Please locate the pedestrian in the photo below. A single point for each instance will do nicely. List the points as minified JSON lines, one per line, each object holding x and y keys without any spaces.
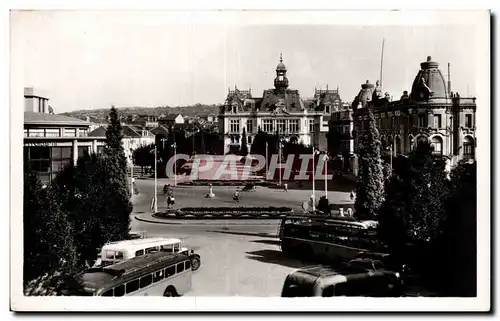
{"x":341,"y":212}
{"x":285,"y":187}
{"x":349,"y":212}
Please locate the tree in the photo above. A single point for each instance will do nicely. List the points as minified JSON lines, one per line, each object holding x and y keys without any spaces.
{"x":142,"y":156}
{"x":48,"y":241}
{"x":324,"y":205}
{"x":370,"y":182}
{"x":244,"y":146}
{"x":412,"y":215}
{"x":259,"y":143}
{"x":458,"y":246}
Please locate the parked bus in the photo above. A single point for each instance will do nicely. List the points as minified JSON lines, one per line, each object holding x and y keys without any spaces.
{"x":155,"y":274}
{"x":123,"y":250}
{"x":327,"y":282}
{"x":329,"y":239}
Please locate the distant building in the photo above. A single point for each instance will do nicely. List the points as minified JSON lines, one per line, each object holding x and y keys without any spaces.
{"x":430,"y":112}
{"x":52,"y":141}
{"x":133,"y":138}
{"x":279,"y":110}
{"x":147,"y":121}
{"x":170,"y":120}
{"x":340,"y":136}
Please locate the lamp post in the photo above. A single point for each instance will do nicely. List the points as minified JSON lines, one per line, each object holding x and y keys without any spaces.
{"x":131,"y":173}
{"x":156,"y":191}
{"x":326,"y":175}
{"x":174,"y":145}
{"x":267,"y":164}
{"x":313,"y":196}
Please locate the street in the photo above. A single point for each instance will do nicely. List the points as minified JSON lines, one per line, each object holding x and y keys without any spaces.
{"x":239,"y":258}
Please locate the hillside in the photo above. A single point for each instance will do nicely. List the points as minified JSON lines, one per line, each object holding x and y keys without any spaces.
{"x":198,"y":109}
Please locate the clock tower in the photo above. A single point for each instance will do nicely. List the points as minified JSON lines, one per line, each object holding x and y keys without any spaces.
{"x":281,"y":82}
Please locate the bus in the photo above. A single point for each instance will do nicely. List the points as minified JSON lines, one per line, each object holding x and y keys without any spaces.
{"x":123,"y":250}
{"x":329,"y":239}
{"x":324,"y":281}
{"x":155,"y":274}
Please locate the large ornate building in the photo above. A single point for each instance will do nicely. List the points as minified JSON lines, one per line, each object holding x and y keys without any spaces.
{"x":430,"y":112}
{"x":280,"y":110}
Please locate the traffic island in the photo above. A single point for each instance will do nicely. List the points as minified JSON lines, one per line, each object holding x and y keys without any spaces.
{"x":225,"y":213}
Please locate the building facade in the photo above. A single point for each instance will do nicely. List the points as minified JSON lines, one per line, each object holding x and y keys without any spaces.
{"x":430,"y":112}
{"x":340,"y":137}
{"x":280,"y":110}
{"x":52,"y":141}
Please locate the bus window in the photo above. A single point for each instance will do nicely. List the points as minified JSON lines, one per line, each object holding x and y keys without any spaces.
{"x":145,"y":281}
{"x":108,"y":293}
{"x":119,"y":255}
{"x":132,"y":286}
{"x":188,"y":265}
{"x":170,"y":271}
{"x":139,"y":253}
{"x":151,"y":249}
{"x":158,"y":276}
{"x":110,"y":255}
{"x":120,"y":290}
{"x":166,"y":248}
{"x":180,"y":267}
{"x":177,"y":247}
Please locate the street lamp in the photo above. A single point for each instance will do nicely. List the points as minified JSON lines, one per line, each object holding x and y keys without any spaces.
{"x":131,"y":172}
{"x":155,"y":203}
{"x":267,"y":157}
{"x":174,"y":145}
{"x":326,"y":175}
{"x":313,"y":196}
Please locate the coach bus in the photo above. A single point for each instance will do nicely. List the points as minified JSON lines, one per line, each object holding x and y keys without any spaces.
{"x":155,"y":274}
{"x":329,"y":239}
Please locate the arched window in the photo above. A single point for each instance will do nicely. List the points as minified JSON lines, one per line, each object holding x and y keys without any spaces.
{"x":437,"y":144}
{"x":468,"y":146}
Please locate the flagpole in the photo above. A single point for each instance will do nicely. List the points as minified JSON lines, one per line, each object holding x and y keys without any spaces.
{"x":156,"y":192}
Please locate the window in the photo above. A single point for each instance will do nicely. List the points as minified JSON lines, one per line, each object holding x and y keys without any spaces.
{"x":293,"y":126}
{"x":139,"y":253}
{"x":421,"y":121}
{"x":110,"y":255}
{"x":83,"y":150}
{"x":468,"y":146}
{"x":119,"y":255}
{"x":327,"y":109}
{"x":437,"y":144}
{"x":25,"y":133}
{"x":188,"y":265}
{"x":177,"y":247}
{"x":52,"y":132}
{"x":61,"y":156}
{"x":158,"y":276}
{"x":70,"y":132}
{"x":311,"y":125}
{"x":468,"y":120}
{"x":170,"y":271}
{"x":82,"y":132}
{"x":267,"y":125}
{"x":108,"y":293}
{"x":249,"y":139}
{"x":234,"y":125}
{"x":120,"y":290}
{"x":151,"y":249}
{"x":249,"y":126}
{"x":280,"y":125}
{"x":180,"y":267}
{"x":132,"y":286}
{"x":145,"y":281}
{"x":437,"y":121}
{"x":36,"y":132}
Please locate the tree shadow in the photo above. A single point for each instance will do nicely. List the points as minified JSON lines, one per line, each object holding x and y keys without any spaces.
{"x":277,"y":257}
{"x":270,"y":235}
{"x":271,"y":242}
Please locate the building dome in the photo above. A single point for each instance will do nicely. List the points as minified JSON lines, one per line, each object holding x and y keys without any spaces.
{"x":429,"y":82}
{"x":364,"y":96}
{"x":281,"y":66}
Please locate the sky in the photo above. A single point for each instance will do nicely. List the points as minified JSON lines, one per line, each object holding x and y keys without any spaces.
{"x":90,"y":60}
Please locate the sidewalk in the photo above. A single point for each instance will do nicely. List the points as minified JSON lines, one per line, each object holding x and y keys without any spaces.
{"x":149,"y":218}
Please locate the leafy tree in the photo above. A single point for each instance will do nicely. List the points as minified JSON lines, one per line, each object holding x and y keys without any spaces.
{"x":370,"y":181}
{"x":142,"y":156}
{"x":244,"y":146}
{"x":412,"y":215}
{"x":259,"y":143}
{"x":324,"y":205}
{"x":457,"y":251}
{"x":48,"y":236}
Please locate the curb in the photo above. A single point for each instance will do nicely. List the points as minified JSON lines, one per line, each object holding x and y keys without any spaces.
{"x":200,"y":222}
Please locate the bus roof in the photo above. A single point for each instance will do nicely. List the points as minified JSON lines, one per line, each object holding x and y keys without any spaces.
{"x":103,"y":277}
{"x":334,"y":220}
{"x":138,"y":244}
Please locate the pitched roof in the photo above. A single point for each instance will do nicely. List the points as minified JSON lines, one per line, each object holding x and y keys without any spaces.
{"x":171,"y":116}
{"x":160,"y":130}
{"x":42,"y":118}
{"x":98,"y":132}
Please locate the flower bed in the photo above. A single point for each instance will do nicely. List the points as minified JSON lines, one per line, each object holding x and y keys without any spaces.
{"x":256,"y":182}
{"x":226,"y":212}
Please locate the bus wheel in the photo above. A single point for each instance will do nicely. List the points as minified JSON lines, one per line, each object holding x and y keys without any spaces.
{"x":170,"y":291}
{"x":195,"y":263}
